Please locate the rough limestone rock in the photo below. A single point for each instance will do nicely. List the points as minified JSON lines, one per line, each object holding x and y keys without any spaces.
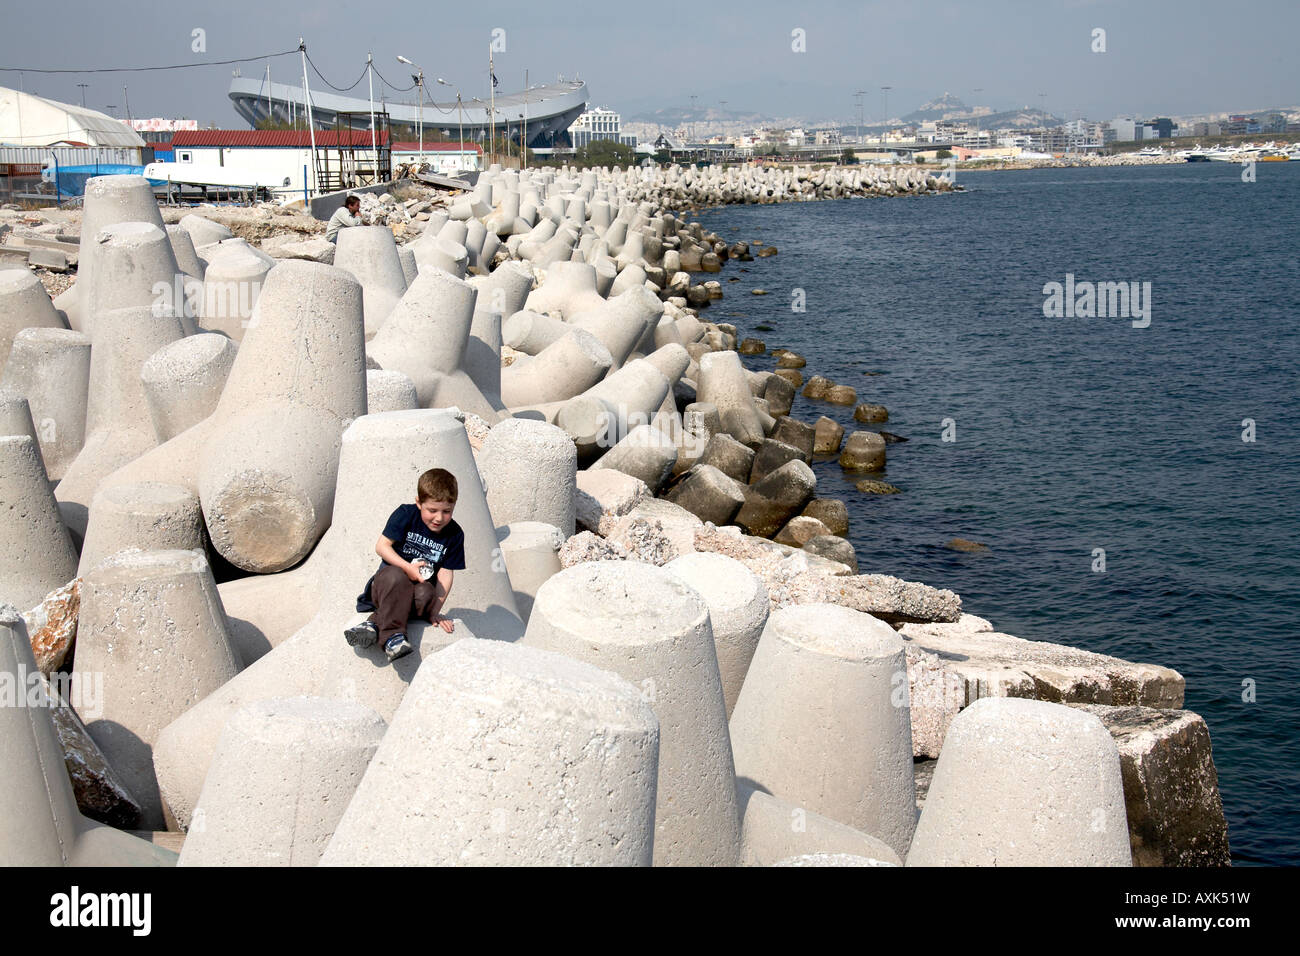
{"x":1000,"y":665}
{"x":1024,"y":783}
{"x":606,"y":493}
{"x":52,"y":626}
{"x":894,"y":600}
{"x":1171,"y":789}
{"x":101,"y":794}
{"x":588,"y":546}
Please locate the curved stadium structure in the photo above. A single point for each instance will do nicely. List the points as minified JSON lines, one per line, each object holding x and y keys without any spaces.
{"x":546,"y":110}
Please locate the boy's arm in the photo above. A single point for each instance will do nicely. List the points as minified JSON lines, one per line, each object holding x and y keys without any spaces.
{"x":442,"y":590}
{"x":384,"y":548}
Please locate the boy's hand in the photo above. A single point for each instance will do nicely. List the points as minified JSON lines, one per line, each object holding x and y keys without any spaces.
{"x":446,"y":623}
{"x":413,"y":570}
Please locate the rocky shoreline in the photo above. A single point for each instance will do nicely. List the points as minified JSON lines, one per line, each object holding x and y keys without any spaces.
{"x":673,"y":586}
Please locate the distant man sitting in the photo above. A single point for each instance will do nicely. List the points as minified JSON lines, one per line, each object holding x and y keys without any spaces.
{"x":345,"y":215}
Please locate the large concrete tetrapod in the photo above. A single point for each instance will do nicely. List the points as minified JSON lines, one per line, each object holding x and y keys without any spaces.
{"x":184,"y":379}
{"x":621,"y":322}
{"x":232,"y":283}
{"x":39,"y":821}
{"x":37,"y":553}
{"x":648,"y":626}
{"x":282,"y":776}
{"x":426,"y":337}
{"x":818,"y":721}
{"x":152,"y":624}
{"x":509,"y":756}
{"x":565,"y":368}
{"x":51,"y":368}
{"x":370,"y":254}
{"x":381,"y":460}
{"x":24,"y":304}
{"x":119,"y":428}
{"x":149,"y":516}
{"x":266,"y":458}
{"x":1024,"y":783}
{"x":531,"y":470}
{"x":108,"y":200}
{"x":136,"y":267}
{"x":738,"y":609}
{"x":723,"y":383}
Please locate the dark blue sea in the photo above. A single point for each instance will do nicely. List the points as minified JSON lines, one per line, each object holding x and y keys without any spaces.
{"x":1074,"y":434}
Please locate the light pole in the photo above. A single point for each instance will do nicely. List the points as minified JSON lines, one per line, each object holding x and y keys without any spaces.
{"x":858,"y":94}
{"x":83,"y":94}
{"x":419,"y":84}
{"x":460,"y":113}
{"x":884,"y":97}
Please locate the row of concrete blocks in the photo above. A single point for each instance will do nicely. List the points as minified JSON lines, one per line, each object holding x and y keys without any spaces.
{"x":601,"y":738}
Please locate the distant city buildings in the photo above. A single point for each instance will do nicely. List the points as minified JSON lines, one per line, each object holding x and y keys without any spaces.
{"x":599,"y":124}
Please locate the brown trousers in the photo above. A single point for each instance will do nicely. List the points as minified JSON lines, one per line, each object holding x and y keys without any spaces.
{"x":397,"y":598}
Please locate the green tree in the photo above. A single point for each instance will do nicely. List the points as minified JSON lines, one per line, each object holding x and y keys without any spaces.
{"x":943,"y":154}
{"x":848,"y":157}
{"x":605,"y":152}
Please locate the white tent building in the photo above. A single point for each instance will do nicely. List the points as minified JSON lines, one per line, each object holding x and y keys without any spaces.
{"x":28,"y":120}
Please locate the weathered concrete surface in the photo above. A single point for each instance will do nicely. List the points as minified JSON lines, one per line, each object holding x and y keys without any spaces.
{"x":773,"y":829}
{"x":1171,"y":789}
{"x":1000,"y":665}
{"x":1024,"y":783}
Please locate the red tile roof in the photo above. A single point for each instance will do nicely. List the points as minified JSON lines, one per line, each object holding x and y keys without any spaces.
{"x":283,"y":138}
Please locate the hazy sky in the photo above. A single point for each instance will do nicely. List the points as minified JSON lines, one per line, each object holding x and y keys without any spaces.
{"x":1162,"y":56}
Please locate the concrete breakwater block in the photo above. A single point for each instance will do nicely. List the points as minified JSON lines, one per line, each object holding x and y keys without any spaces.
{"x":389,"y":391}
{"x":566,"y":367}
{"x":370,"y":254}
{"x":183,"y":381}
{"x":50,"y":367}
{"x":738,"y":610}
{"x":1024,"y":783}
{"x":781,"y":495}
{"x":153,"y":628}
{"x":426,"y":337}
{"x":24,"y":304}
{"x":1171,"y":789}
{"x":530,"y":550}
{"x":709,"y":494}
{"x":822,"y":677}
{"x":232,"y":283}
{"x":38,"y":552}
{"x":645,"y":453}
{"x":380,"y":462}
{"x":108,"y":200}
{"x":508,"y":755}
{"x":773,"y":830}
{"x":39,"y":821}
{"x":531,"y":471}
{"x":281,"y":778}
{"x":149,"y":515}
{"x":119,"y":428}
{"x":723,"y":383}
{"x":645,"y":624}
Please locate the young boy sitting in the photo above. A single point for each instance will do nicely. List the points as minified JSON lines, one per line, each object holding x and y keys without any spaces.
{"x":421,"y":547}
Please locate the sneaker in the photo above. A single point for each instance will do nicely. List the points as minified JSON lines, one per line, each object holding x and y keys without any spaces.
{"x":397,"y":646}
{"x":364,"y":634}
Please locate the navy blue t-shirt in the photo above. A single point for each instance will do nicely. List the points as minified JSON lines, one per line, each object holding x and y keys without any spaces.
{"x":414,"y":541}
